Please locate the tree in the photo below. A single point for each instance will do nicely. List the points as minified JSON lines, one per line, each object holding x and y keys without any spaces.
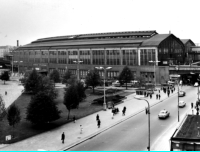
{"x":73,"y":80}
{"x":42,"y":109}
{"x":25,"y":77}
{"x":47,"y":86}
{"x":66,"y":76}
{"x":71,"y":98}
{"x":141,"y":81}
{"x":13,"y":115}
{"x":33,"y":82}
{"x":5,"y":76}
{"x":55,"y":76}
{"x":81,"y":91}
{"x":125,"y":76}
{"x":93,"y":79}
{"x":2,"y":107}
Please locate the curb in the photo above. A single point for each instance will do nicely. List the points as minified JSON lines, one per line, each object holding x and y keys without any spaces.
{"x":104,"y":129}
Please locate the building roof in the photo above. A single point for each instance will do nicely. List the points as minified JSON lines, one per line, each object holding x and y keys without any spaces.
{"x":155,"y":40}
{"x":133,"y":39}
{"x":129,"y":34}
{"x":185,"y":41}
{"x":189,"y":128}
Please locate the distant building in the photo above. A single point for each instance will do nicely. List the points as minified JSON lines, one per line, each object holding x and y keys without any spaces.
{"x":5,"y":50}
{"x":195,"y":53}
{"x":188,"y":45}
{"x":117,"y":49}
{"x":187,"y":136}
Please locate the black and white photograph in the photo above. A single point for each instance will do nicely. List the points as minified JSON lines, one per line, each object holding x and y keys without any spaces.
{"x":99,"y":75}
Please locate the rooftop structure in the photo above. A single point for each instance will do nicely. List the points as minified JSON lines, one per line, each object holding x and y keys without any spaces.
{"x":187,"y":136}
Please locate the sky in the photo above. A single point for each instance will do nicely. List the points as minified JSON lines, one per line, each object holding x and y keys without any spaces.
{"x":29,"y":20}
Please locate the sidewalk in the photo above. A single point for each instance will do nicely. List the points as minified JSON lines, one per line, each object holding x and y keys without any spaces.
{"x":13,"y":89}
{"x":51,"y":140}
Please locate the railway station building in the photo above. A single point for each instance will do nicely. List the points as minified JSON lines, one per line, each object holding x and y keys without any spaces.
{"x":82,"y":53}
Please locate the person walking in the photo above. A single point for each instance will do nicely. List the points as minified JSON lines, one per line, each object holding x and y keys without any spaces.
{"x":81,"y":129}
{"x":168,"y":92}
{"x":98,"y":123}
{"x":63,"y":137}
{"x":150,"y":95}
{"x":124,"y":111}
{"x":159,"y":96}
{"x":97,"y":117}
{"x":74,"y":119}
{"x":113,"y":113}
{"x":5,"y":92}
{"x":156,"y":96}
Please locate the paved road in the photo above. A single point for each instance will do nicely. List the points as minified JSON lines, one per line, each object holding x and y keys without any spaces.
{"x":132,"y":135}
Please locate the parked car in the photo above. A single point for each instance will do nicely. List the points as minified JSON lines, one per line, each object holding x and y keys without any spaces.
{"x":181,"y":93}
{"x":163,"y":114}
{"x":181,"y":104}
{"x":196,"y":84}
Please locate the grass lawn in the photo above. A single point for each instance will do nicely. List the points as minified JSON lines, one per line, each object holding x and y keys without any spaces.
{"x":25,"y":129}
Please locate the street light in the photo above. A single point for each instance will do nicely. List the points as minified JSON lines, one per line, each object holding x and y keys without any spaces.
{"x":177,"y":68}
{"x":154,"y":70}
{"x":77,"y":62}
{"x":178,"y":101}
{"x":148,"y":112}
{"x":100,"y":68}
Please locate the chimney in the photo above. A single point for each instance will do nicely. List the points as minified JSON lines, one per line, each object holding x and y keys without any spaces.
{"x":17,"y":43}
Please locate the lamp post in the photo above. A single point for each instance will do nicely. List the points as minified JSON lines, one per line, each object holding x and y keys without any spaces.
{"x":104,"y":92}
{"x":148,"y":112}
{"x":177,"y":68}
{"x":178,"y":101}
{"x":154,"y":70}
{"x":77,"y":62}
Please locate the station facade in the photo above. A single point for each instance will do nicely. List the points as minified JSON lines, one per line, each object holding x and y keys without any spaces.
{"x":82,"y":53}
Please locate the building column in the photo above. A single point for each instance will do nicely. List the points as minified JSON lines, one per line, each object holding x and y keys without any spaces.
{"x":138,"y":50}
{"x":91,"y":57}
{"x":121,"y":56}
{"x":105,"y":57}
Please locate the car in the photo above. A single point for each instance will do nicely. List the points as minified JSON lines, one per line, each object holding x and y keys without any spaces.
{"x":163,"y":114}
{"x":196,"y":84}
{"x":116,"y":84}
{"x":181,"y":93}
{"x":171,"y":82}
{"x":181,"y":103}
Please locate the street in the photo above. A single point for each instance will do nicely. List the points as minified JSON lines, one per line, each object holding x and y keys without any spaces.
{"x":132,"y":135}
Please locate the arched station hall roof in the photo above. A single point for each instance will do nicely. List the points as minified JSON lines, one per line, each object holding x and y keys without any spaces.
{"x":134,"y":38}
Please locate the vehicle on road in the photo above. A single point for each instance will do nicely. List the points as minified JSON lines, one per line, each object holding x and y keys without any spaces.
{"x":130,"y":84}
{"x":196,"y":84}
{"x":163,"y":114}
{"x":181,"y":104}
{"x":181,"y":93}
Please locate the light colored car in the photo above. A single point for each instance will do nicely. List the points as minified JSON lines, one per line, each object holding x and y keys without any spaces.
{"x":171,"y":82}
{"x":196,"y":84}
{"x":163,"y":114}
{"x":181,"y":93}
{"x":116,"y":84}
{"x":181,"y":103}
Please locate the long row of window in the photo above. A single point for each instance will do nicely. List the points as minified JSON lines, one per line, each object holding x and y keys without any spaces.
{"x":98,"y":57}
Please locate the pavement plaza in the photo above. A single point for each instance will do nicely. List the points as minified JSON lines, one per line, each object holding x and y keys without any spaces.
{"x":51,"y":140}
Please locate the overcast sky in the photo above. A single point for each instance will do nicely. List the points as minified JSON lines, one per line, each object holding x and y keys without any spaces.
{"x":28,"y":20}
